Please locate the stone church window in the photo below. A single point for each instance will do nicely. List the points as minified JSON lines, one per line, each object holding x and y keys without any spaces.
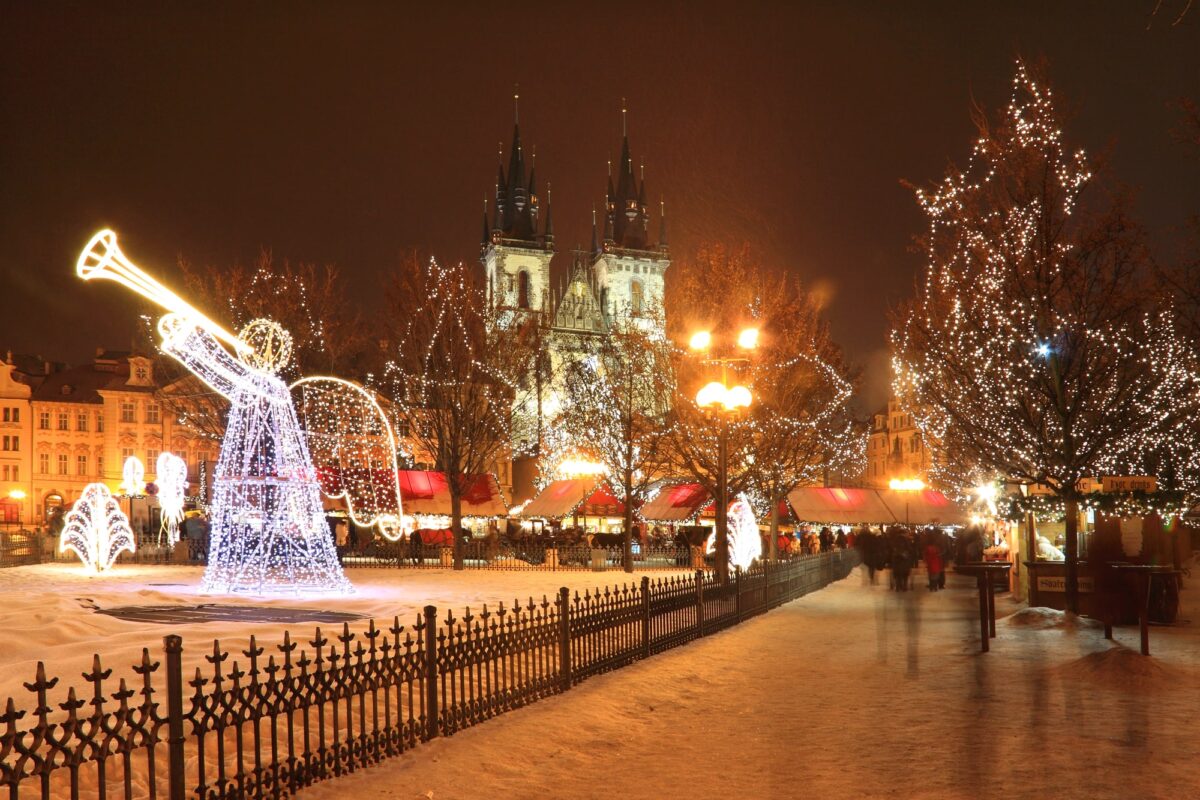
{"x":523,"y":289}
{"x":635,"y":297}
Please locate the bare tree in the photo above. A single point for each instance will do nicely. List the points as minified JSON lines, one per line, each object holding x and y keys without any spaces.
{"x":455,"y":379}
{"x":617,"y":404}
{"x":1032,"y":349}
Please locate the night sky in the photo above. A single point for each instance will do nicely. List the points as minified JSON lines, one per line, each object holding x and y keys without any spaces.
{"x":353,"y":132}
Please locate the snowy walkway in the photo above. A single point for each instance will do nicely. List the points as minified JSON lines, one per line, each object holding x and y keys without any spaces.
{"x":851,"y":692}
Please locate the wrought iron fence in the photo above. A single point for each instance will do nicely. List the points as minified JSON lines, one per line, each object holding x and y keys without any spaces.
{"x":268,"y":724}
{"x":513,"y":555}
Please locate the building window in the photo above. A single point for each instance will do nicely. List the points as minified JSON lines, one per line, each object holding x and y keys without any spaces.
{"x":81,"y":420}
{"x":7,"y":441}
{"x":152,"y":413}
{"x":44,"y":463}
{"x":523,"y":289}
{"x":99,"y":423}
{"x":43,"y":420}
{"x":16,"y":443}
{"x":16,"y":473}
{"x":7,"y":414}
{"x":151,"y":459}
{"x":635,"y":297}
{"x":126,"y":454}
{"x":62,"y":421}
{"x":6,"y":473}
{"x":128,"y":412}
{"x":16,"y":415}
{"x":100,"y":466}
{"x":62,"y":463}
{"x":81,"y":465}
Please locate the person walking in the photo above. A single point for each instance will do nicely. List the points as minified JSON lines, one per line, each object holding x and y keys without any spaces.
{"x":934,"y":565}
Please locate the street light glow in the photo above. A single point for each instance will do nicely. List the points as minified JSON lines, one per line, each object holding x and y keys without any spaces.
{"x":906,"y":484}
{"x":712,"y":394}
{"x":736,"y":397}
{"x":748,"y":339}
{"x":701,"y":340}
{"x":17,"y":494}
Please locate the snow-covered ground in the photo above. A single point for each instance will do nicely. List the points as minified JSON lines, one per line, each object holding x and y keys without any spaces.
{"x":851,"y":692}
{"x":47,"y":612}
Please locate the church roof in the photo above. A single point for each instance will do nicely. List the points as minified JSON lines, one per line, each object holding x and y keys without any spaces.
{"x":627,"y":215}
{"x":517,"y":212}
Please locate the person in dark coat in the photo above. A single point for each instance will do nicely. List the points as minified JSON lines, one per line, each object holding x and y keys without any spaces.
{"x":826,"y":540}
{"x":840,"y":540}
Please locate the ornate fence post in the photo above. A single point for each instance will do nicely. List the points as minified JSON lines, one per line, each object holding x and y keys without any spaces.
{"x":173,"y":645}
{"x":564,"y":638}
{"x":431,"y":673}
{"x":737,"y":591}
{"x":645,"y":616}
{"x":699,"y":602}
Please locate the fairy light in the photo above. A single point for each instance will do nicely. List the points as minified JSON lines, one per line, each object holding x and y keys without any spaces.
{"x":96,"y":529}
{"x":268,"y":529}
{"x":1019,"y":354}
{"x":171,"y":474}
{"x":352,"y":442}
{"x":745,"y":542}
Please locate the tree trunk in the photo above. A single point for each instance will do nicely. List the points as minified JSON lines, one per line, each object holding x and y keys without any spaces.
{"x":1072,"y":553}
{"x":627,"y":554}
{"x":773,"y":536}
{"x":456,"y":521}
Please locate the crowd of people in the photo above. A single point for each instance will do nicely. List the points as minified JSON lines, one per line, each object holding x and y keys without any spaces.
{"x":900,"y":549}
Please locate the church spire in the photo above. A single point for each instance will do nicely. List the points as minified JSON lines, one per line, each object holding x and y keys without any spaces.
{"x":487,"y":234}
{"x":548,"y":233}
{"x":595,"y":234}
{"x":662,"y":224}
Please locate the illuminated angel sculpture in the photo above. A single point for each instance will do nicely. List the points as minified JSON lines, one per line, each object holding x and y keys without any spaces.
{"x":171,"y":473}
{"x":268,"y":528}
{"x":96,"y":529}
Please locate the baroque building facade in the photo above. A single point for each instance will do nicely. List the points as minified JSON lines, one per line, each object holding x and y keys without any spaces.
{"x":72,"y":426}
{"x":895,"y":448}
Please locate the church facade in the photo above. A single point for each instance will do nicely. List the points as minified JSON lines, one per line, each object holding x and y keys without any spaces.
{"x":622,"y":273}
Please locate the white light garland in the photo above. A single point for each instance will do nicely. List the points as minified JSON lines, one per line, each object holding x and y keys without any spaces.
{"x":96,"y":529}
{"x":133,"y":477}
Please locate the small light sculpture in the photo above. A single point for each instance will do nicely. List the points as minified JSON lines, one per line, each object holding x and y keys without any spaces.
{"x":96,"y":529}
{"x":171,"y":471}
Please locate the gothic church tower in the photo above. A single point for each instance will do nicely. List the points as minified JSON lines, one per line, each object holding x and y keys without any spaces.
{"x":517,"y":246}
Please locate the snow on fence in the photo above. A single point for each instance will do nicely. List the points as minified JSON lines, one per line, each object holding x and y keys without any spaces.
{"x":273,"y":723}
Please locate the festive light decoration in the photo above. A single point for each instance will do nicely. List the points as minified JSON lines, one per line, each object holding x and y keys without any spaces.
{"x":745,"y":542}
{"x":906,"y":484}
{"x":133,"y":477}
{"x":268,"y":529}
{"x":348,"y":431}
{"x":1034,"y":350}
{"x":96,"y":529}
{"x":171,"y":472}
{"x":102,"y":258}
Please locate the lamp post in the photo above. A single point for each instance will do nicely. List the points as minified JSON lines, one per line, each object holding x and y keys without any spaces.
{"x":723,"y":402}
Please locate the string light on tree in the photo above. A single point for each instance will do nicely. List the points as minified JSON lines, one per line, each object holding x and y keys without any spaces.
{"x":1032,"y":350}
{"x":96,"y":529}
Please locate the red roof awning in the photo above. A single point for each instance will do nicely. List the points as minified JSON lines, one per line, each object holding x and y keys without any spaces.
{"x":926,"y":507}
{"x":821,"y":504}
{"x":425,"y":492}
{"x":585,"y":497}
{"x":675,"y":503}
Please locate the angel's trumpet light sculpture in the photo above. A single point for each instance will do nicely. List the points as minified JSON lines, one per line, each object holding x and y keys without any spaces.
{"x":96,"y":529}
{"x":171,"y":474}
{"x":268,"y":532}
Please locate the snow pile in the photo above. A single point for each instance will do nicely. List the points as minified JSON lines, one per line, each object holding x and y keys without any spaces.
{"x":1040,"y":618}
{"x":1120,"y":667}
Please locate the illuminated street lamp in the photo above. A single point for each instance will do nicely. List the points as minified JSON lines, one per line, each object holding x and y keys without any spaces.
{"x":906,"y":485}
{"x":721,"y":401}
{"x":18,"y":496}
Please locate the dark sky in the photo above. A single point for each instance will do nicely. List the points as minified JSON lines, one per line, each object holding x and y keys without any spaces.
{"x":352,"y":132}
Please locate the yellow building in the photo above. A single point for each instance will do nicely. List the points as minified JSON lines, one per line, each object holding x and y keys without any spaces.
{"x":895,"y":448}
{"x":68,"y":427}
